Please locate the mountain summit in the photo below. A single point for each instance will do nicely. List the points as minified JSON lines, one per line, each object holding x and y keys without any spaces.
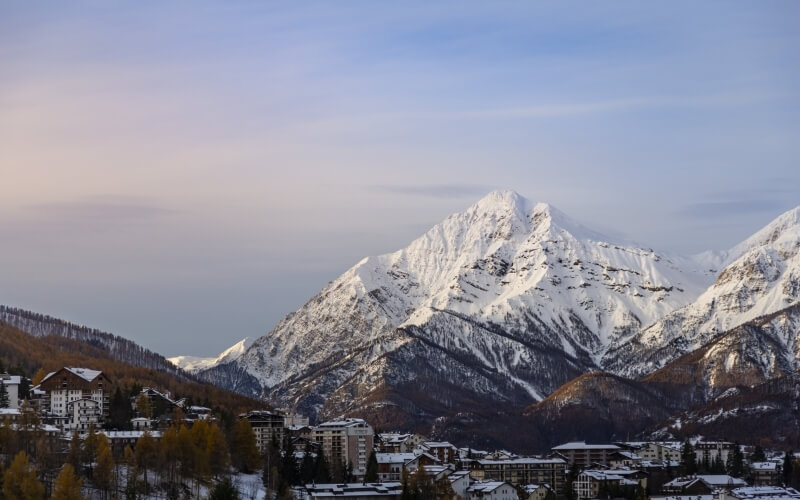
{"x":500,"y":303}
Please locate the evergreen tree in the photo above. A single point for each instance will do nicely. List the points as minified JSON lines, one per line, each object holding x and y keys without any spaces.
{"x":120,"y":412}
{"x":103,"y":474}
{"x":569,"y":486}
{"x":735,"y":463}
{"x":19,"y":480}
{"x":688,"y":460}
{"x":224,"y":490}
{"x":4,"y":403}
{"x":307,"y":466}
{"x":348,"y":473}
{"x":288,"y":465}
{"x":371,"y":475}
{"x":74,"y":454}
{"x":758,"y":455}
{"x":68,"y":485}
{"x":322,"y":472}
{"x":788,"y":465}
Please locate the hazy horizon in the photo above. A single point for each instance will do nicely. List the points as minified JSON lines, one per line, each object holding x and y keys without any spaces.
{"x":185,"y":174}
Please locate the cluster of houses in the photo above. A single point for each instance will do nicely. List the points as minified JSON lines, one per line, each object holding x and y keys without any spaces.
{"x":606,"y":471}
{"x":73,"y":399}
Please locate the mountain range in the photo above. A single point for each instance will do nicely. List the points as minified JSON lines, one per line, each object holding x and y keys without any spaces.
{"x":506,"y":304}
{"x":511,"y":315}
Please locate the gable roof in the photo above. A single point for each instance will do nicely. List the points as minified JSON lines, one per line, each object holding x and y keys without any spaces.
{"x":86,"y":374}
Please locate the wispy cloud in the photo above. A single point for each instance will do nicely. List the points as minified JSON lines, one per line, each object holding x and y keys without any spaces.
{"x":733,"y":208}
{"x":434,"y":190}
{"x":106,"y":210}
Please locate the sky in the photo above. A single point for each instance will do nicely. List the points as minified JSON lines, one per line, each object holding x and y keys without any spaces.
{"x":186,"y":173}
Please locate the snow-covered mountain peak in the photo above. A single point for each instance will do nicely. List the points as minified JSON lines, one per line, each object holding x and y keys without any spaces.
{"x":502,"y":200}
{"x":782,"y":234}
{"x":758,"y":277}
{"x":504,"y":263}
{"x":197,"y":363}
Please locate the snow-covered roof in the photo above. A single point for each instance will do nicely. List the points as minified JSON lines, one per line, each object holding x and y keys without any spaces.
{"x":522,"y":461}
{"x":485,"y":486}
{"x":722,"y":480}
{"x":610,"y":475}
{"x":459,"y":474}
{"x":85,"y":373}
{"x":764,"y":466}
{"x":129,"y":434}
{"x":10,"y":411}
{"x":683,"y":497}
{"x":770,"y":492}
{"x":347,"y":422}
{"x":7,"y":379}
{"x":530,"y":488}
{"x":394,"y":458}
{"x":438,"y":444}
{"x":581,"y":445}
{"x":355,"y":490}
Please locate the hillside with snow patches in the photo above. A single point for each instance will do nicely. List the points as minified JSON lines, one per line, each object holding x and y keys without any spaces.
{"x":505,"y":302}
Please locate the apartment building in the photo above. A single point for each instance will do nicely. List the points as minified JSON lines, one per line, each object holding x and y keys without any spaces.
{"x":346,"y":441}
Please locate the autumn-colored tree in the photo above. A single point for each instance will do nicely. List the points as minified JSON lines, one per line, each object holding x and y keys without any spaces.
{"x":146,"y":453}
{"x":74,"y":454}
{"x":143,"y":407}
{"x":38,"y":376}
{"x":8,"y":438}
{"x":244,"y":451}
{"x":68,"y":485}
{"x":217,"y":451}
{"x":19,"y":480}
{"x":103,"y":474}
{"x":170,"y":456}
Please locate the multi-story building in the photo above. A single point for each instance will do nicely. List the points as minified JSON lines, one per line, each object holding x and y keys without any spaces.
{"x":765,"y":473}
{"x":266,"y":426}
{"x":395,"y":442}
{"x":346,"y":441}
{"x":444,"y":452}
{"x":522,"y":471}
{"x":11,"y":384}
{"x":76,"y":397}
{"x":710,"y":451}
{"x":655,"y":450}
{"x":583,"y":455}
{"x":589,"y":483}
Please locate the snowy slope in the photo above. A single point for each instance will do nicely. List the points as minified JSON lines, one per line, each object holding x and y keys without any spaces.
{"x":196,"y":363}
{"x":515,"y":293}
{"x":760,"y":276}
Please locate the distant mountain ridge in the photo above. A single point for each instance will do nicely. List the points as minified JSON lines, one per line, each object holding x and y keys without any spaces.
{"x":197,"y":363}
{"x":120,"y":349}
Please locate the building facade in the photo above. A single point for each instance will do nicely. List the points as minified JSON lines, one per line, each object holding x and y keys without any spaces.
{"x":76,"y":397}
{"x":11,"y":384}
{"x":266,"y":426}
{"x":346,"y":441}
{"x":583,"y":455}
{"x":522,"y":471}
